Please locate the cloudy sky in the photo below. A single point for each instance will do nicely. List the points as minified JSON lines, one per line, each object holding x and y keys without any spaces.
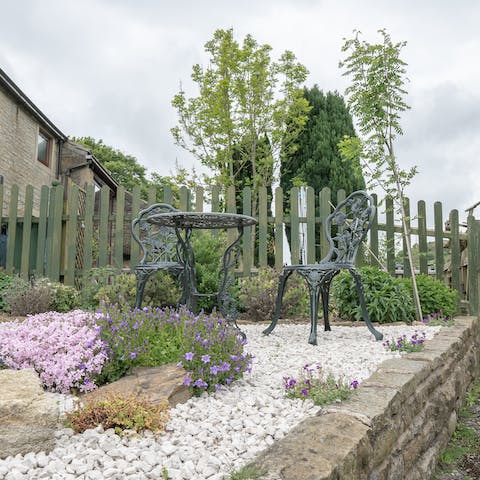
{"x":110,"y":68}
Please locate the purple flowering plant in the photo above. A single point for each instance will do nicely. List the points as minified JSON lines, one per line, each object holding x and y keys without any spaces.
{"x":141,"y":337}
{"x":214,"y":352}
{"x":207,"y":347}
{"x":63,"y":348}
{"x":438,"y":319}
{"x":81,"y":350}
{"x":313,"y":383}
{"x":403,"y":344}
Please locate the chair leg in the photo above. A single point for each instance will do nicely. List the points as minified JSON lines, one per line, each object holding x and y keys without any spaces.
{"x":278,"y":304}
{"x":325,"y":290}
{"x":366,"y":317}
{"x":314,"y":292}
{"x":142,"y":278}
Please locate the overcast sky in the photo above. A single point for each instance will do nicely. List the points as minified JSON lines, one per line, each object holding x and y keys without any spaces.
{"x":110,"y":68}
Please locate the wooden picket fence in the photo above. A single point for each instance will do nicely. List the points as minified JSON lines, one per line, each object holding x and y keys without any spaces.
{"x":70,"y":234}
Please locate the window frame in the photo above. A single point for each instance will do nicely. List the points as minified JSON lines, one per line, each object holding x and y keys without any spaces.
{"x":48,"y":151}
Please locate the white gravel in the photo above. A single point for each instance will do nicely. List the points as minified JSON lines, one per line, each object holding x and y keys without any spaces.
{"x":211,"y":436}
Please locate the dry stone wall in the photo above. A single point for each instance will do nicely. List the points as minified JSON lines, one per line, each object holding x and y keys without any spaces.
{"x":394,"y":426}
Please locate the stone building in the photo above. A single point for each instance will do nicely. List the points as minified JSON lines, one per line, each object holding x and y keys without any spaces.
{"x":30,"y":144}
{"x":33,"y":151}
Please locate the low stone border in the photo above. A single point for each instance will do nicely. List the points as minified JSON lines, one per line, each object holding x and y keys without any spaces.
{"x":394,"y":426}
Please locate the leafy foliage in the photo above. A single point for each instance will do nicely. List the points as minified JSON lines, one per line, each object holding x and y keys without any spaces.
{"x":317,"y":161}
{"x":435,"y":296}
{"x":377,"y":99}
{"x":248,"y":106}
{"x":109,"y":285}
{"x":387,"y":298}
{"x":5,"y":282}
{"x":208,"y":249}
{"x":258,"y":295}
{"x":65,"y":297}
{"x":120,"y":412}
{"x":205,"y":345}
{"x":126,"y":169}
{"x":28,"y":298}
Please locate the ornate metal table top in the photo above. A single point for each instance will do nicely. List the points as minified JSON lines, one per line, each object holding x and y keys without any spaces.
{"x":204,"y":220}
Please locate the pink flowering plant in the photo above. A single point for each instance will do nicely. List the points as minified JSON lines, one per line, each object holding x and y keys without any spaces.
{"x":64,"y":349}
{"x":315,"y":384}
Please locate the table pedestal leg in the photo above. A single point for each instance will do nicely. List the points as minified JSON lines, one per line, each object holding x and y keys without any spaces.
{"x":187,"y":277}
{"x":227,"y":304}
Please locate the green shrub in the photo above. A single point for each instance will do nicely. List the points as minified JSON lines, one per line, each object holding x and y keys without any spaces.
{"x":161,"y":290}
{"x":388,"y":299}
{"x":209,"y":249}
{"x":435,"y":296}
{"x":66,"y":297}
{"x":258,"y":295}
{"x":109,"y":285}
{"x":92,"y":282}
{"x":5,"y":282}
{"x":120,"y":412}
{"x":29,"y":298}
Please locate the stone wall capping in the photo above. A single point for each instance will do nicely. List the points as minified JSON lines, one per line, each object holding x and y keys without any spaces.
{"x":394,"y":425}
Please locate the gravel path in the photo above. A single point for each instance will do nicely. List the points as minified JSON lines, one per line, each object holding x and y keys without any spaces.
{"x":211,"y":436}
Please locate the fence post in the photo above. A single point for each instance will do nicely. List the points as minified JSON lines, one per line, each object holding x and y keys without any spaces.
{"x":374,"y":235}
{"x":119,"y":227}
{"x":422,"y":237}
{"x":406,"y":264}
{"x":71,"y":229}
{"x":262,"y":226}
{"x":278,"y":228}
{"x":455,"y":253}
{"x":473,"y":246}
{"x":248,"y":242}
{"x":12,"y":228}
{"x":390,"y":221}
{"x":27,"y":233}
{"x":439,"y":261}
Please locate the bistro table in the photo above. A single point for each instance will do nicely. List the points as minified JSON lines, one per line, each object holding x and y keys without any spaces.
{"x":184,"y":223}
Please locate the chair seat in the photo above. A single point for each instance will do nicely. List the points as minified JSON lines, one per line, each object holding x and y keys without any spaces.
{"x":159,"y":266}
{"x":320,"y":266}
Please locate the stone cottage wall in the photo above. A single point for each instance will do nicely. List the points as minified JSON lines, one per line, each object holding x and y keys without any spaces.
{"x":18,"y":150}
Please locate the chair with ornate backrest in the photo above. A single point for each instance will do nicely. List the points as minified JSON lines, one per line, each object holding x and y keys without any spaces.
{"x":352,"y":219}
{"x":159,"y":248}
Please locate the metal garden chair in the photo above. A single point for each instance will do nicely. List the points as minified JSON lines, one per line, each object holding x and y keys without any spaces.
{"x":352,"y":219}
{"x":159,"y":247}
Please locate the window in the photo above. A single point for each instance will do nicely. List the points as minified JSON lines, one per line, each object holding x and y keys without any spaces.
{"x":43,"y":149}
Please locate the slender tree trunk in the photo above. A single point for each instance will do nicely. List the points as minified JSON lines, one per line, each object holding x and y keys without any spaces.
{"x":406,"y":235}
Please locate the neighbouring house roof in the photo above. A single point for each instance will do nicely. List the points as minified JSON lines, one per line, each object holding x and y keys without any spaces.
{"x":94,"y":164}
{"x":472,"y":208}
{"x":12,"y":89}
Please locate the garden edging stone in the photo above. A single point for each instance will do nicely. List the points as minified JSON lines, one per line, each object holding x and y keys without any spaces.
{"x":153,"y":383}
{"x":394,"y":426}
{"x":30,"y":416}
